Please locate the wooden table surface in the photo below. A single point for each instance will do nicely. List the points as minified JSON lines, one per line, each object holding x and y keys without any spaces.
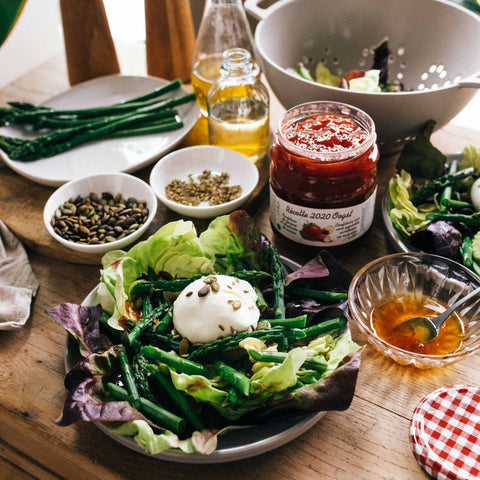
{"x":368,"y":441}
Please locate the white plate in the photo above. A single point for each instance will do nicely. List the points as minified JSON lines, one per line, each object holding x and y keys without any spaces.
{"x":105,"y":156}
{"x":235,"y":445}
{"x":399,"y":243}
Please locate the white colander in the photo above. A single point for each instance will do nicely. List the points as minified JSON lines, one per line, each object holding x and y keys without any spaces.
{"x":435,"y":49}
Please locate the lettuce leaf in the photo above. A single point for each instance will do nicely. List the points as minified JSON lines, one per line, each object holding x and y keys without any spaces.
{"x":142,"y":433}
{"x":370,"y":82}
{"x":405,"y":216}
{"x":325,"y":77}
{"x":235,"y":243}
{"x":470,"y":158}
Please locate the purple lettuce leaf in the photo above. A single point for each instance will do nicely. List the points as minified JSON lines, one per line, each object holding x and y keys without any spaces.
{"x":82,"y":323}
{"x":315,"y":268}
{"x":438,"y":237}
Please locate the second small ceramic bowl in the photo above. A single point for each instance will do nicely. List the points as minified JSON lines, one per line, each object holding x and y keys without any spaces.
{"x":191,"y":162}
{"x":417,"y":276}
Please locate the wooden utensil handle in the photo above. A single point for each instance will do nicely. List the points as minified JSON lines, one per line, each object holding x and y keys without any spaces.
{"x":89,"y":47}
{"x":170,"y":38}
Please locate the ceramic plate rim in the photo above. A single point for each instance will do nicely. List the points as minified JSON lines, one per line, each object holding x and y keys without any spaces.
{"x":301,"y":422}
{"x":91,"y":89}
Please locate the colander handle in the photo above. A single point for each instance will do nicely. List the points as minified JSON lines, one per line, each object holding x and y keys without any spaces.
{"x":470,"y":82}
{"x":251,"y":6}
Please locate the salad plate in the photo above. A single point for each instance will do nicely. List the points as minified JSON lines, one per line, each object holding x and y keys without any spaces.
{"x":235,"y":445}
{"x":113,"y":155}
{"x":398,"y":242}
{"x":220,"y":425}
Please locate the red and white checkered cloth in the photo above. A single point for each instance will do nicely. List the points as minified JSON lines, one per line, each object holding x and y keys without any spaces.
{"x":445,"y":433}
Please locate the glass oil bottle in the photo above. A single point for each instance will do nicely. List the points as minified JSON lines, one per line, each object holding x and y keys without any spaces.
{"x":224,"y":25}
{"x":238,"y":107}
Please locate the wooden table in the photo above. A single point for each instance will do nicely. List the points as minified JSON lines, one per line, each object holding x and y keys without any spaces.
{"x":368,"y":441}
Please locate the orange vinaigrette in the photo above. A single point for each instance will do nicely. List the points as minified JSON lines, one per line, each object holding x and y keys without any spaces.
{"x":386,"y":316}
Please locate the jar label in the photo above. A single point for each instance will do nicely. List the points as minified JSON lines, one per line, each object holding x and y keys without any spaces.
{"x":321,"y":227}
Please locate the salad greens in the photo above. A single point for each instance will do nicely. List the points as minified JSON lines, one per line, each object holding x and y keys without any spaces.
{"x":137,"y":374}
{"x":432,"y":203}
{"x":372,"y":80}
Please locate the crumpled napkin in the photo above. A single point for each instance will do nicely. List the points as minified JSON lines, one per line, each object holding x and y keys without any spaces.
{"x":18,"y":285}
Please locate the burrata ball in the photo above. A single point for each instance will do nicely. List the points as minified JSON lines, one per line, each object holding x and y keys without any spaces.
{"x":215,"y":306}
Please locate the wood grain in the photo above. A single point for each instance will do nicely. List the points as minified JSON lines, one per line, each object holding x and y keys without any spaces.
{"x":170,"y":38}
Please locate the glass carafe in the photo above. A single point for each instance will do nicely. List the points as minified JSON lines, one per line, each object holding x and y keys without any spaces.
{"x":238,"y":107}
{"x":224,"y":25}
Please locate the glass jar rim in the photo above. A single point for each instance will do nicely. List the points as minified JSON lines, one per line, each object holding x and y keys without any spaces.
{"x":311,"y":109}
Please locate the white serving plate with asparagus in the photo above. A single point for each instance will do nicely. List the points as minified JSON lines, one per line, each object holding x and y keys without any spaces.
{"x":122,"y":154}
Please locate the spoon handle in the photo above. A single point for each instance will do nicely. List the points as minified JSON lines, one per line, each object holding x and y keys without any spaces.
{"x":441,"y":318}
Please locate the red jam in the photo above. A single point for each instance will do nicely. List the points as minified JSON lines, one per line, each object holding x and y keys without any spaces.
{"x":323,"y":174}
{"x":325,"y":132}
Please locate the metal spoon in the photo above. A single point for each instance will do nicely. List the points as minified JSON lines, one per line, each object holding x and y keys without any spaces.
{"x":428,"y":328}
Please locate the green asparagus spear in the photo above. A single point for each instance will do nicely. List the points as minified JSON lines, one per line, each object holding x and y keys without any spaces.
{"x":278,"y":278}
{"x":466,"y":251}
{"x":178,"y":398}
{"x":157,"y":414}
{"x":128,"y":377}
{"x":174,"y":361}
{"x":321,"y":295}
{"x":447,"y":191}
{"x":295,"y":322}
{"x":472,"y":220}
{"x":326,"y":326}
{"x":237,"y":379}
{"x":437,"y":184}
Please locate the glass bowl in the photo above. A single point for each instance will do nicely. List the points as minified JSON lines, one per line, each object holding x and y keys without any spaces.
{"x":417,"y":275}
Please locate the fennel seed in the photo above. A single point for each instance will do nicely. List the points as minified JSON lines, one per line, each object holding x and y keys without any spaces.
{"x":208,"y":187}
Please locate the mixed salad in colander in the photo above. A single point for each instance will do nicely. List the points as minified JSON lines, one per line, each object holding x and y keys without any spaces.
{"x":373,"y":80}
{"x":194,"y":335}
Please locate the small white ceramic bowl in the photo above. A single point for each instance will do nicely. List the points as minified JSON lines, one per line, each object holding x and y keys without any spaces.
{"x":193,"y":161}
{"x":113,"y":183}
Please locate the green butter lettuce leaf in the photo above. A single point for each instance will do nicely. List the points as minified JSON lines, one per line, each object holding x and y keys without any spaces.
{"x":116,"y":281}
{"x":405,"y":216}
{"x":174,"y":248}
{"x":198,"y":387}
{"x":335,"y":349}
{"x":470,"y":158}
{"x":302,"y":71}
{"x":325,"y":77}
{"x":235,"y":243}
{"x":153,"y":443}
{"x":278,"y":377}
{"x":368,"y":83}
{"x":476,"y":247}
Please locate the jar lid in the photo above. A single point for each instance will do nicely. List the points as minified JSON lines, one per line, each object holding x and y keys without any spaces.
{"x":445,"y":433}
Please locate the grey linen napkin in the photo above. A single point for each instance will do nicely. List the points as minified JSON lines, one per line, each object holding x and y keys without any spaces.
{"x":18,"y":284}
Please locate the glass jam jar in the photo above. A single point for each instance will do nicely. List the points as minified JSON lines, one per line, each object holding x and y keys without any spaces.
{"x":323,"y":174}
